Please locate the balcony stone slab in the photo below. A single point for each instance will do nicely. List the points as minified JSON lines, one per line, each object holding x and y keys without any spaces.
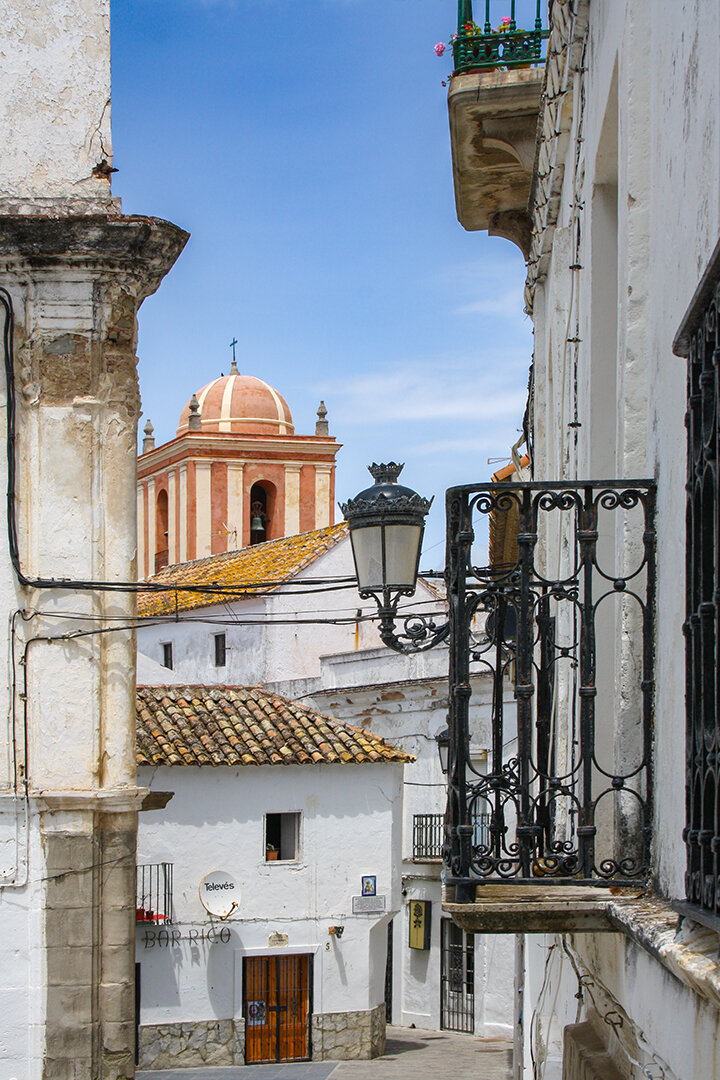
{"x":541,"y":909}
{"x":493,"y":125}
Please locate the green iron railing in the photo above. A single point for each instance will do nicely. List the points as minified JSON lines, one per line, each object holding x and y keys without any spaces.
{"x":481,"y":48}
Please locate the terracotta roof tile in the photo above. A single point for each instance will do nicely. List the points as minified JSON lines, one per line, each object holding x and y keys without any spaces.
{"x":249,"y":570}
{"x":246,"y":725}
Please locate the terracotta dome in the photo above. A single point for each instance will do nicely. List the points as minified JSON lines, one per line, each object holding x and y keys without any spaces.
{"x":240,"y":404}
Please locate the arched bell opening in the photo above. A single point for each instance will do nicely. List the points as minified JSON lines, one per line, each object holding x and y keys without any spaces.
{"x":262,"y":505}
{"x":161,"y":530}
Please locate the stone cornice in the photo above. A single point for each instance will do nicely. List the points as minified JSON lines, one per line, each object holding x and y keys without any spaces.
{"x":144,"y":248}
{"x":103,"y":800}
{"x":229,"y":446}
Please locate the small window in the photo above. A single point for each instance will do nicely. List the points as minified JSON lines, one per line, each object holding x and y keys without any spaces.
{"x":282,"y":837}
{"x":220,"y":648}
{"x":167,"y":654}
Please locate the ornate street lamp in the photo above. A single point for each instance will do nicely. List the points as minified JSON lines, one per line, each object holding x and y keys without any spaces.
{"x":524,"y":627}
{"x":386,"y":523}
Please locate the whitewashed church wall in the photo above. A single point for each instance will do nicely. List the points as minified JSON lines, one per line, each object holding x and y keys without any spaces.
{"x":193,"y":645}
{"x":350,"y":827}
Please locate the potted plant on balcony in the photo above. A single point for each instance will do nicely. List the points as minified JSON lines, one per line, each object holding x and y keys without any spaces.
{"x":485,"y":50}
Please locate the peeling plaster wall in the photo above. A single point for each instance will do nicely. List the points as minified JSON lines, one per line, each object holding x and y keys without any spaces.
{"x":644,"y":1016}
{"x":54,"y":102}
{"x":350,"y":826}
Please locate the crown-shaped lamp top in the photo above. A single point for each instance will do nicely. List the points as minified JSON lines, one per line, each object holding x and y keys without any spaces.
{"x":386,"y":474}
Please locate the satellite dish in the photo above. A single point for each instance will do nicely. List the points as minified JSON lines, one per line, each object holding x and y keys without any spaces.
{"x":219,"y":893}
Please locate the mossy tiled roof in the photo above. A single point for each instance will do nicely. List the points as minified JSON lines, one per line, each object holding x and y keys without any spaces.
{"x":251,"y":569}
{"x":246,"y":725}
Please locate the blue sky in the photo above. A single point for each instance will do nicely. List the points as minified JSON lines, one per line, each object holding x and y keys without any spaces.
{"x":304,"y":144}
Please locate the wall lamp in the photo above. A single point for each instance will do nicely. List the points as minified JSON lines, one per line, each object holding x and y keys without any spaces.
{"x":386,"y":523}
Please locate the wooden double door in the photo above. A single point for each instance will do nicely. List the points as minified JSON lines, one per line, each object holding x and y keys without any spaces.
{"x":277,"y":1005}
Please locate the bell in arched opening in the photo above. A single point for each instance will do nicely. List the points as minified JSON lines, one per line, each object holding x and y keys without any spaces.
{"x":161,"y":530}
{"x":258,"y":514}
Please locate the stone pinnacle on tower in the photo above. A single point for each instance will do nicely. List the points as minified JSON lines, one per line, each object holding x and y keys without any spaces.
{"x":194,"y":421}
{"x":321,"y":427}
{"x":149,"y":440}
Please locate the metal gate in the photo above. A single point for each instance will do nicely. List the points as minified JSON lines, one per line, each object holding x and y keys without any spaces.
{"x":457,"y":979}
{"x":389,"y":974}
{"x":277,"y":1004}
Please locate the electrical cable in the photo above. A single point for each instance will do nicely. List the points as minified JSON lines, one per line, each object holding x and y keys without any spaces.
{"x":289,"y":619}
{"x":251,"y":589}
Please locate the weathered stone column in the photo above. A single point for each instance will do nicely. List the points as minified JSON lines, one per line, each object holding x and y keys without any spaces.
{"x":76,"y":284}
{"x":76,"y":271}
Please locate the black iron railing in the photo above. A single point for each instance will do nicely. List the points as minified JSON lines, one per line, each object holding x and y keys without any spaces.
{"x":569,"y":623}
{"x":488,"y":45}
{"x":154,"y":896}
{"x":699,"y":340}
{"x":429,"y":834}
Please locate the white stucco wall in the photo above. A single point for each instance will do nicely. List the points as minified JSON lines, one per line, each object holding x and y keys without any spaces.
{"x":345,"y":671}
{"x":285,"y":633}
{"x":350,"y":826}
{"x":405,"y":699}
{"x":668,"y":220}
{"x":651,"y":94}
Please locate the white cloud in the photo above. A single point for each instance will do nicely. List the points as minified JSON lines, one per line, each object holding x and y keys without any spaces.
{"x":446,"y":390}
{"x":505,"y":304}
{"x":482,"y":447}
{"x":488,"y":286}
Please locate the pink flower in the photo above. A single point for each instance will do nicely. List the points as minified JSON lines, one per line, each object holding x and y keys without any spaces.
{"x":505,"y":21}
{"x":440,"y":48}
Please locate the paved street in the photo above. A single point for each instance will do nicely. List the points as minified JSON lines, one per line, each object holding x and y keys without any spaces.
{"x":411,"y":1055}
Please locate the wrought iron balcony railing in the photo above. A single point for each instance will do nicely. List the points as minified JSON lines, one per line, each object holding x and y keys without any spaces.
{"x":569,"y":620}
{"x":482,"y":47}
{"x":698,"y":339}
{"x":154,"y":896}
{"x":429,"y":833}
